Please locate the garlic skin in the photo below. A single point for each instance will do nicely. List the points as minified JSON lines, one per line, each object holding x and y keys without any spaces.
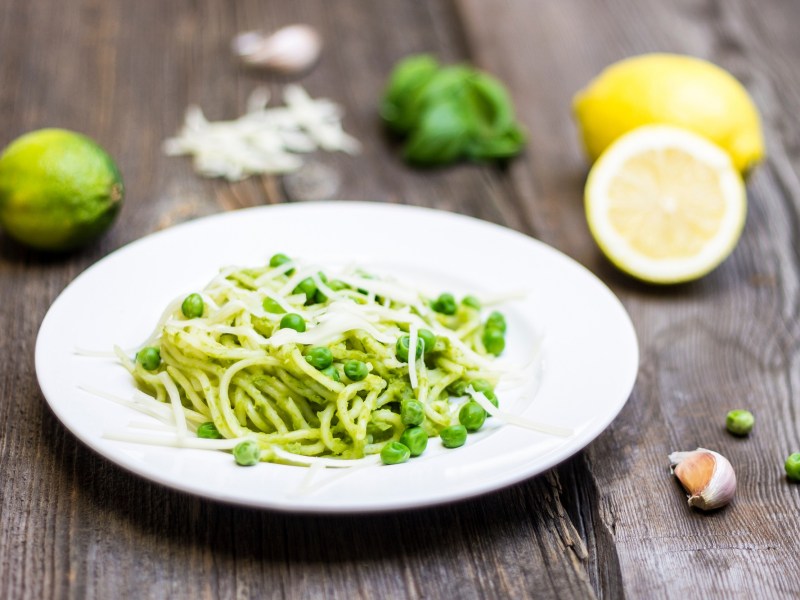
{"x":288,"y":50}
{"x":706,"y":475}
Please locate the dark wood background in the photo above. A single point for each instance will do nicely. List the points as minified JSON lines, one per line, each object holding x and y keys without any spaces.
{"x":607,"y":523}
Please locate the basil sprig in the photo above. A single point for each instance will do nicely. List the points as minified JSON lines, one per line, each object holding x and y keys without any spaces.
{"x":448,"y":113}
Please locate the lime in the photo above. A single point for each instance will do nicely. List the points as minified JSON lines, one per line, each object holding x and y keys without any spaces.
{"x":674,"y":90}
{"x":58,"y":189}
{"x":664,"y":204}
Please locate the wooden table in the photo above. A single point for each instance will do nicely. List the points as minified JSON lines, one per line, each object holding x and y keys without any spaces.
{"x":607,"y":523}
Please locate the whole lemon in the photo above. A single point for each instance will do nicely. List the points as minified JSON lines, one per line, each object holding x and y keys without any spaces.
{"x":674,"y":90}
{"x":58,"y":189}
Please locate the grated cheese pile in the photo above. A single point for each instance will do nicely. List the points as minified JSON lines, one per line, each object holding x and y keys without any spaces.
{"x":263,"y":140}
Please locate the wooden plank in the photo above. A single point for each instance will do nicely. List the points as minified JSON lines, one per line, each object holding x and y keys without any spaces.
{"x":724,"y":342}
{"x":73,"y":525}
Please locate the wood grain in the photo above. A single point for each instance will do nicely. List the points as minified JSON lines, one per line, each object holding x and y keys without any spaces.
{"x":727,"y":341}
{"x":608,"y":523}
{"x":73,"y":525}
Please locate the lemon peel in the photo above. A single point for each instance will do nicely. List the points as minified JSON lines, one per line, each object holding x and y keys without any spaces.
{"x":675,"y":90}
{"x":58,"y":190}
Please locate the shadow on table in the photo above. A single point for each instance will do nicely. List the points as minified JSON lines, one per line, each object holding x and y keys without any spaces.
{"x":123,"y":505}
{"x":14,"y":252}
{"x":717,"y":283}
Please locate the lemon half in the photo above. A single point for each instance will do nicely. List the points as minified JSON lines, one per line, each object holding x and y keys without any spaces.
{"x":665,"y":205}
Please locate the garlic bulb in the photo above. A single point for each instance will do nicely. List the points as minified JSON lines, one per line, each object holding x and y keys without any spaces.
{"x":289,"y":50}
{"x":706,"y":475}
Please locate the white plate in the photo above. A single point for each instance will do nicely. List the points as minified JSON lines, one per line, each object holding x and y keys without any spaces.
{"x":589,"y":349}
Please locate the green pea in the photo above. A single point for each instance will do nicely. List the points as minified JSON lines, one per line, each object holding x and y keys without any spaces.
{"x":497,"y":321}
{"x":337,"y":285}
{"x":458,"y":388}
{"x":415,"y":439}
{"x":331,"y":372}
{"x":319,"y":295}
{"x":428,"y":338}
{"x":193,"y":306}
{"x":319,"y":357}
{"x":401,"y":348}
{"x":740,"y":422}
{"x":472,"y":302}
{"x":445,"y":304}
{"x":395,"y":453}
{"x":307,"y":287}
{"x":412,"y":412}
{"x":792,"y":466}
{"x":271,"y":306}
{"x":484,"y":387}
{"x":293,"y":321}
{"x":208,"y":431}
{"x":453,"y":436}
{"x":494,"y":340}
{"x":472,"y":416}
{"x":149,"y":358}
{"x":356,"y":370}
{"x":280,"y":259}
{"x":247,"y":453}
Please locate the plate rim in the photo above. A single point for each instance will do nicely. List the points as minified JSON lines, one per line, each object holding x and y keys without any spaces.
{"x":544,"y":462}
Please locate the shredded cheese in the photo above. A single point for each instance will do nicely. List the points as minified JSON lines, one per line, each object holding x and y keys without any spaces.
{"x":175,"y":401}
{"x":173,"y":441}
{"x":264,"y":140}
{"x":413,"y":334}
{"x":512,"y":419}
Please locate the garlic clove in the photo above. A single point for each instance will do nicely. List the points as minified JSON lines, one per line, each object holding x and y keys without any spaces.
{"x":288,"y":50}
{"x":247,"y":43}
{"x":706,"y":475}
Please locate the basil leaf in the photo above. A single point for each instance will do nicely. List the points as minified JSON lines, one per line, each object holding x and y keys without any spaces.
{"x":491,"y":105}
{"x":446,"y":113}
{"x":505,"y":145}
{"x":406,"y":82}
{"x":450,"y":83}
{"x":440,"y":136}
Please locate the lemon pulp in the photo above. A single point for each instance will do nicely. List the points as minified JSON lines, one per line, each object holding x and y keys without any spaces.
{"x":665,"y":205}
